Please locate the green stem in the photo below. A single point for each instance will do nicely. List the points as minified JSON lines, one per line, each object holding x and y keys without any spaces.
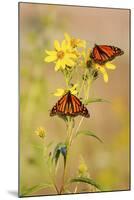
{"x":86,"y":97}
{"x":68,"y":77}
{"x":68,"y":143}
{"x":81,"y":120}
{"x":83,"y":82}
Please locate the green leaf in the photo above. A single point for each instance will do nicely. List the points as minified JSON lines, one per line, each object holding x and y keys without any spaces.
{"x":36,"y":188}
{"x":61,"y":148}
{"x":93,"y":100}
{"x":85,"y":180}
{"x":89,"y":133}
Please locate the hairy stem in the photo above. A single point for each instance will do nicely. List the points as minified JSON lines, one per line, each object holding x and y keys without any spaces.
{"x":69,"y":134}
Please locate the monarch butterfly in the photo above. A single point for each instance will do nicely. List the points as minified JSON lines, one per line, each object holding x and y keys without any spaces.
{"x":104,"y":53}
{"x":69,"y":105}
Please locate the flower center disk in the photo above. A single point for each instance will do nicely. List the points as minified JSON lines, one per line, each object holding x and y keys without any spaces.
{"x":74,"y":42}
{"x":60,"y":54}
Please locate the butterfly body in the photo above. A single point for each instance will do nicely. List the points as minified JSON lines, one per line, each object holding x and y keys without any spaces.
{"x":69,"y":105}
{"x":104,"y":53}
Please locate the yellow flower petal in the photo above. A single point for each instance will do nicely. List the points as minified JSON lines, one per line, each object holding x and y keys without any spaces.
{"x":69,"y":62}
{"x":50,"y":58}
{"x":72,"y":55}
{"x":109,"y":65}
{"x":64,"y":45}
{"x":58,"y":65}
{"x":105,"y":75}
{"x":59,"y":92}
{"x":51,"y":53}
{"x":82,"y":43}
{"x":57,"y":45}
{"x":63,"y":64}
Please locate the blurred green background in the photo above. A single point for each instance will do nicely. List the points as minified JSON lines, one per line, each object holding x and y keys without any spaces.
{"x":40,"y":25}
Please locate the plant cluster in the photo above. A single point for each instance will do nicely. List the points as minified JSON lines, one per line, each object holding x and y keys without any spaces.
{"x":72,"y":58}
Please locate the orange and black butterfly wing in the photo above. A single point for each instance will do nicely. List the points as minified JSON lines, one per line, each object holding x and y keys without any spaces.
{"x":104,"y":53}
{"x":59,"y":107}
{"x":69,"y":105}
{"x":54,"y":110}
{"x":78,"y":108}
{"x":64,"y":106}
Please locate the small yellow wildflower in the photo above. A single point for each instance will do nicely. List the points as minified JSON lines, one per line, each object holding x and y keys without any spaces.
{"x":82,"y":169}
{"x":40,"y":132}
{"x":75,"y":42}
{"x":61,"y":91}
{"x":102,"y":69}
{"x":61,"y":56}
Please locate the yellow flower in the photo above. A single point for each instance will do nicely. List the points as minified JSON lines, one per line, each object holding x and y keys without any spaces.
{"x":40,"y":132}
{"x":83,"y":169}
{"x":61,"y":91}
{"x":102,"y":69}
{"x":61,"y":56}
{"x":74,"y":42}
